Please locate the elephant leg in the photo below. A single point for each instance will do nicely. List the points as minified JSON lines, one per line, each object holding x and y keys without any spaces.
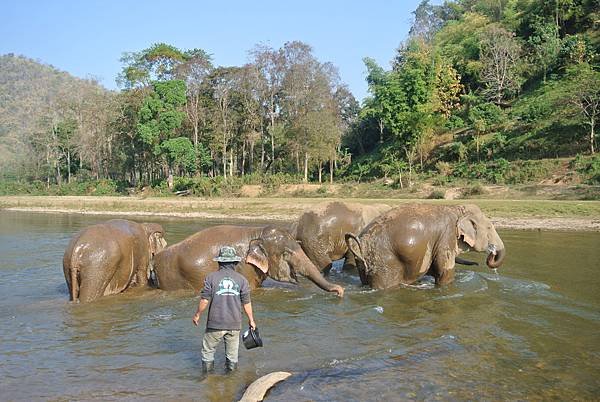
{"x":91,"y":287}
{"x":446,"y":276}
{"x":98,"y":281}
{"x":443,"y":269}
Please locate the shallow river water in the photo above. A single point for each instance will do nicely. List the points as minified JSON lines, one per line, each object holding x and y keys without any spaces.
{"x":531,"y":331}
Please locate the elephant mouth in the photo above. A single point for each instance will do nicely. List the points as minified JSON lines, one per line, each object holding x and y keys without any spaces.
{"x":495,"y":257}
{"x":293,"y":275}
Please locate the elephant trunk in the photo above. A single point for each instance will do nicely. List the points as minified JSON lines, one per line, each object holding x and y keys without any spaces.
{"x":317,"y":278}
{"x":494,"y":260}
{"x":312,"y":272}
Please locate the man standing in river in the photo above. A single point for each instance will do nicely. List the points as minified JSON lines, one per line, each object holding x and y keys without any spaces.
{"x":225,"y":293}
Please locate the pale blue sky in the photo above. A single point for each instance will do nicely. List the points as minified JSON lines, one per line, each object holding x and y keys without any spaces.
{"x":88,"y":37}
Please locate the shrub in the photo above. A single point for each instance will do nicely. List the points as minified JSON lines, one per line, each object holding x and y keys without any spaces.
{"x":322,"y":190}
{"x":454,"y":122}
{"x":436,"y":195}
{"x":444,"y":168}
{"x":496,"y":171}
{"x":476,"y":189}
{"x":522,"y":172}
{"x":588,"y":167}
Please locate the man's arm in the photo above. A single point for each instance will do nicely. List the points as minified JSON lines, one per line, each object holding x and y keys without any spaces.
{"x":248,"y":311}
{"x":205,"y":297}
{"x":201,"y":307}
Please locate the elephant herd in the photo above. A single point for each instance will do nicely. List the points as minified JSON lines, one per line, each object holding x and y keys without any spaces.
{"x":387,"y":246}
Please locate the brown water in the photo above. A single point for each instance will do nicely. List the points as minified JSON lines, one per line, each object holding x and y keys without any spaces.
{"x":531,"y":331}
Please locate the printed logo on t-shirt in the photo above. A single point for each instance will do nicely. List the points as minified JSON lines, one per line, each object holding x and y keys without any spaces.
{"x":228,"y":287}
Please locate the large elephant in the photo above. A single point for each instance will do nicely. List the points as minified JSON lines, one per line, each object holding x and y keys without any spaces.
{"x":412,"y":240}
{"x":268,"y":251}
{"x":110,"y":257}
{"x":321,"y":230}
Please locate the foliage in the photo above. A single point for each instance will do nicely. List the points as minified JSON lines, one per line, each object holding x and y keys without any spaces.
{"x":474,"y":190}
{"x":588,"y":167}
{"x":436,"y":195}
{"x":95,"y":187}
{"x":479,"y":90}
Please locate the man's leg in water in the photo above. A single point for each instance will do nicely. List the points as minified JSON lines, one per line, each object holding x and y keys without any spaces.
{"x":232,"y":345}
{"x":209,"y":344}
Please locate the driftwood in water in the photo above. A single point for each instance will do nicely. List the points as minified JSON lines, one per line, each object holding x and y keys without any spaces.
{"x":257,"y":390}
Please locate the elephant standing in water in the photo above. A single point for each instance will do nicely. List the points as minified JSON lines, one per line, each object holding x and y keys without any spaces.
{"x":268,"y":251}
{"x":110,"y":257}
{"x":321,"y":230}
{"x":402,"y":245}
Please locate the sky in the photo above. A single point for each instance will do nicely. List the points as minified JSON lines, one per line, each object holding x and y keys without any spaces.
{"x":87,"y":38}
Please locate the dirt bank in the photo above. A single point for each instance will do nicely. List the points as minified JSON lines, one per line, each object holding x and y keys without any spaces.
{"x":507,"y":214}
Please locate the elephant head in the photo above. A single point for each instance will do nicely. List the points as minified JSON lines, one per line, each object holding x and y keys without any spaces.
{"x":156,"y":242}
{"x":277,"y":254}
{"x":476,"y":231}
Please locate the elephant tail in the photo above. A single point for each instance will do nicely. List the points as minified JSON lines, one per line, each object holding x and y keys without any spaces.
{"x":75,"y":281}
{"x":356,"y":248}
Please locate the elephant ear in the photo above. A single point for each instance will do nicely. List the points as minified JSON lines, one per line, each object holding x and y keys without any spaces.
{"x":466,"y":230}
{"x":257,"y":256}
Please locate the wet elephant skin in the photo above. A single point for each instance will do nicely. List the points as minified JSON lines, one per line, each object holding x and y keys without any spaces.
{"x":321,"y":230}
{"x":266,"y":251}
{"x":412,"y":240}
{"x":109,"y":257}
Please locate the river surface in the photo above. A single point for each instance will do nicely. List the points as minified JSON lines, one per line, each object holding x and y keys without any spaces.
{"x":529,"y":332}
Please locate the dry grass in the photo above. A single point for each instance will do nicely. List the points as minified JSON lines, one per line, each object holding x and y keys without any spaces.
{"x":281,"y":208}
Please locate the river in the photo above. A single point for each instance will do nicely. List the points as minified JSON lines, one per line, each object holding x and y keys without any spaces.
{"x":529,"y":331}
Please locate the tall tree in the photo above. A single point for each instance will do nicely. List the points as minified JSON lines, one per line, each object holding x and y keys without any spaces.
{"x":269,"y":65}
{"x":584,"y":94}
{"x":546,"y":45}
{"x":194,"y":70}
{"x":159,"y":118}
{"x":499,"y":54}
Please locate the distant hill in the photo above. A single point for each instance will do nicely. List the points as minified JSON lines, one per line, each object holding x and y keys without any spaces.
{"x":28,"y":91}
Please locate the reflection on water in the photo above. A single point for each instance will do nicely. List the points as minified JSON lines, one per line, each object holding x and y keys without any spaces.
{"x":528,"y":332}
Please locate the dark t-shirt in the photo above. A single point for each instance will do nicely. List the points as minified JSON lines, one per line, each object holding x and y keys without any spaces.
{"x":227,"y":291}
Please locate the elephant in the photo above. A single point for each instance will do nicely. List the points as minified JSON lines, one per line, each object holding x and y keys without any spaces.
{"x":110,"y":257}
{"x":268,"y":251}
{"x":407,"y":242}
{"x":321,"y":230}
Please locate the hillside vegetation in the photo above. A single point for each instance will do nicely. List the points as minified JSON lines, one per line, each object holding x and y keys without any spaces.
{"x":481,"y":93}
{"x":33,"y":97}
{"x":485,"y":91}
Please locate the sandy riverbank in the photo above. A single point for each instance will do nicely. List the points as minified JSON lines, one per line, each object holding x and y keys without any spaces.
{"x":508,"y":214}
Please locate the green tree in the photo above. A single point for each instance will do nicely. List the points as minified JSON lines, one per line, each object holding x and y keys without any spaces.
{"x":159,"y":62}
{"x":180,"y":154}
{"x":583,"y":92}
{"x":546,"y":45}
{"x":161,"y":115}
{"x":482,"y":118}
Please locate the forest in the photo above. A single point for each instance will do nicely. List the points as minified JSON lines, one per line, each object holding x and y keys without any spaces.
{"x":497,"y":91}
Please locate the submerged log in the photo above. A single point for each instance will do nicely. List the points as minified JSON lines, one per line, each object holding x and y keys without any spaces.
{"x":257,"y":390}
